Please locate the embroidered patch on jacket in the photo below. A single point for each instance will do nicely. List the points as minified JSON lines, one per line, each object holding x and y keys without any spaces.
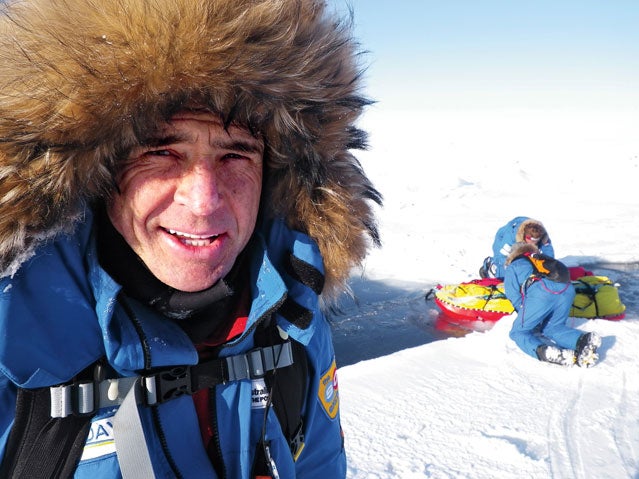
{"x":259,"y":394}
{"x":100,"y":441}
{"x":328,"y":393}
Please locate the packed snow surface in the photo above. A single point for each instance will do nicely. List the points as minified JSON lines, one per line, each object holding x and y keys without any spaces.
{"x":419,"y":400}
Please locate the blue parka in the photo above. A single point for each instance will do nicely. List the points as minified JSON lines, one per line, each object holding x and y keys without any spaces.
{"x":59,"y":314}
{"x":542,"y":309}
{"x":508,"y":235}
{"x":81,"y":89}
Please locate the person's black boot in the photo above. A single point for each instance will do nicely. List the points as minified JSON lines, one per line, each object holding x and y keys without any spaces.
{"x":586,"y":349}
{"x":555,"y":355}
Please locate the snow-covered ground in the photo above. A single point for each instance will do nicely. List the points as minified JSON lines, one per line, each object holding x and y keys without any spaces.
{"x":418,"y":402}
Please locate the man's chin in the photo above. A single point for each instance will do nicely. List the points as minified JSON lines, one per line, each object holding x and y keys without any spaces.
{"x":189,"y":282}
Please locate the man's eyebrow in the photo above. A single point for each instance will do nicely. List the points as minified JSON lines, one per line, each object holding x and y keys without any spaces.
{"x":246,"y":146}
{"x":163,"y":140}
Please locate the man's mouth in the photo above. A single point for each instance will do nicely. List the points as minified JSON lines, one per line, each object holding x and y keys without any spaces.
{"x":189,"y":239}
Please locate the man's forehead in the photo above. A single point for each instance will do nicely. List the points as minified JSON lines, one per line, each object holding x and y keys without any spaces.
{"x":180,"y":119}
{"x":186,"y":126}
{"x":196,"y":115}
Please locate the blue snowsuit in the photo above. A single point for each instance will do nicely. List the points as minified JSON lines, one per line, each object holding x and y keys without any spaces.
{"x":542,"y":309}
{"x":59,"y":314}
{"x":509,"y":234}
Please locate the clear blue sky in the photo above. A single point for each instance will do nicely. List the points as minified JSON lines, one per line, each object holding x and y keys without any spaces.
{"x":495,"y":53}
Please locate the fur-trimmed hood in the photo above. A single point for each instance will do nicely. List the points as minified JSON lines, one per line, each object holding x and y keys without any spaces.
{"x":82,"y":81}
{"x":519,"y":236}
{"x":518,"y":249}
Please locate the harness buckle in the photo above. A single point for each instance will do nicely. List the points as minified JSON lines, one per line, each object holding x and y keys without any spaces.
{"x":78,"y":399}
{"x":166,"y":385}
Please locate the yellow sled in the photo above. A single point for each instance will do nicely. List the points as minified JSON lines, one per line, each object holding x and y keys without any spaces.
{"x":484,"y":299}
{"x":597,"y":297}
{"x":477,"y":300}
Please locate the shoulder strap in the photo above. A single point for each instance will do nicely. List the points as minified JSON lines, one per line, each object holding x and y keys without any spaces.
{"x":41,"y":446}
{"x":288,"y":387}
{"x":51,"y":424}
{"x":287,"y":392}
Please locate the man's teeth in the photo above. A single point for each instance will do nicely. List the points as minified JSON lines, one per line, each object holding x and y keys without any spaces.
{"x":189,"y":235}
{"x":191,"y":239}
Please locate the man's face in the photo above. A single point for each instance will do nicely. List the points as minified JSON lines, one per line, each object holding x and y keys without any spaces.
{"x":532,"y":236}
{"x":188,"y":203}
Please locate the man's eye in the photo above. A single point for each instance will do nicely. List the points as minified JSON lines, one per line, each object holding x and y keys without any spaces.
{"x":157,"y":153}
{"x":235,"y":156}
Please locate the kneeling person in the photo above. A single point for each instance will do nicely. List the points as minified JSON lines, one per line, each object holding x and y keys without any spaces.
{"x":543,"y":306}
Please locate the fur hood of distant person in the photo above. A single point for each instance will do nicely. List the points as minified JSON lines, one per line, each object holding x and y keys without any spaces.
{"x":533,"y":228}
{"x":80,"y":86}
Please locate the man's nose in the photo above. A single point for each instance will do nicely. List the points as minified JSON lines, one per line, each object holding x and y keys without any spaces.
{"x":198,"y":189}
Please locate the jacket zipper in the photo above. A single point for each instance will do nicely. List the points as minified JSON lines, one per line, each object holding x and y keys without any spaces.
{"x":212,"y":397}
{"x":146,"y":350}
{"x":269,"y":312}
{"x":218,"y":458}
{"x":162,"y":437}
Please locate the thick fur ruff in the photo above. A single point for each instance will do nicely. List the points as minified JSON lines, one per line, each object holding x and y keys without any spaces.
{"x":519,"y":236}
{"x":82,"y":81}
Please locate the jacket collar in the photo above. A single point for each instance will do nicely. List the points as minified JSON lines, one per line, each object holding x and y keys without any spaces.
{"x":60,"y":314}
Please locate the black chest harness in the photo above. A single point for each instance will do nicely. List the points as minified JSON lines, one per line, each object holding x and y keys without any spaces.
{"x":52,"y":423}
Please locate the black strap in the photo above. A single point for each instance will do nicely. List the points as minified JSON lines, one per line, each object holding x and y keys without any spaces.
{"x":590,"y":292}
{"x":288,"y":388}
{"x":494,"y":293}
{"x":39,"y":446}
{"x":305,"y":273}
{"x":296,"y":314}
{"x":177,"y":381}
{"x":163,"y":384}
